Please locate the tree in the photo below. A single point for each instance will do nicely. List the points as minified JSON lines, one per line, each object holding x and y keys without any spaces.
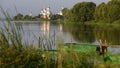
{"x":100,"y":12}
{"x":82,"y":12}
{"x":19,"y":16}
{"x":113,"y":10}
{"x":65,"y":12}
{"x":109,"y":11}
{"x":56,"y":16}
{"x":27,"y":17}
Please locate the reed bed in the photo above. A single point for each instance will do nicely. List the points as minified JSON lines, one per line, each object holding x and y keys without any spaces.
{"x":15,"y":54}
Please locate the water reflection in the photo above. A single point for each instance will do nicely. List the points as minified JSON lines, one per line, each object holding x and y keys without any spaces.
{"x":81,"y":33}
{"x":78,"y":33}
{"x":91,"y":34}
{"x":110,"y":33}
{"x":46,"y":28}
{"x":61,"y":28}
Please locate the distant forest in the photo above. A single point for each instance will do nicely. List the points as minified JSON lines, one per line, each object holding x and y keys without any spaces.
{"x":20,"y":16}
{"x":83,"y":12}
{"x":88,"y":11}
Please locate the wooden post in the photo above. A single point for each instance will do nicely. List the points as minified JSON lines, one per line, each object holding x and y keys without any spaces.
{"x":71,"y":43}
{"x":54,"y":38}
{"x":39,"y":42}
{"x":100,"y":46}
{"x":31,"y":46}
{"x":105,"y":46}
{"x":105,"y":43}
{"x":71,"y":39}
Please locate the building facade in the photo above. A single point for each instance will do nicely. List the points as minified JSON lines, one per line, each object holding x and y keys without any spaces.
{"x":45,"y":13}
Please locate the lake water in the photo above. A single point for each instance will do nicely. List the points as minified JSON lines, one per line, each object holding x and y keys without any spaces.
{"x":75,"y":33}
{"x":83,"y":34}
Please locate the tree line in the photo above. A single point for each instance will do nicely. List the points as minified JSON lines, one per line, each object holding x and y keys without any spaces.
{"x":88,"y":11}
{"x":20,"y":16}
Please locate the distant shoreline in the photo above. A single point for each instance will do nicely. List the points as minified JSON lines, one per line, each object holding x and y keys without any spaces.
{"x":21,"y":21}
{"x":36,"y":21}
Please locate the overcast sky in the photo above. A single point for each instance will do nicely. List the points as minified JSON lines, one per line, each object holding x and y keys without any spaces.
{"x":34,"y":6}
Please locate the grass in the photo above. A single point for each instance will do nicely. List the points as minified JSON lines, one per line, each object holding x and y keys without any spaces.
{"x":14,"y":54}
{"x":82,"y":47}
{"x":104,"y":23}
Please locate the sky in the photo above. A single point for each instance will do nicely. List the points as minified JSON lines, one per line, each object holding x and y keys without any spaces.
{"x":35,"y":6}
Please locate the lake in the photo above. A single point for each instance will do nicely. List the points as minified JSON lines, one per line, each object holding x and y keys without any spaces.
{"x":57,"y":33}
{"x":75,"y":33}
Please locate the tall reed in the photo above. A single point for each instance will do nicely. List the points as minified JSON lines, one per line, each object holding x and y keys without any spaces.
{"x":14,"y":54}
